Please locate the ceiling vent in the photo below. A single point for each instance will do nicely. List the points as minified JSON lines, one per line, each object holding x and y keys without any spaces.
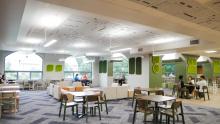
{"x":194,"y":42}
{"x":140,"y":49}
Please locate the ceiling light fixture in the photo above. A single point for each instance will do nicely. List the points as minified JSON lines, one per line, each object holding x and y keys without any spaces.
{"x":119,"y":31}
{"x":210,"y":51}
{"x":202,"y":59}
{"x":120,"y":50}
{"x":33,"y":40}
{"x":163,"y":40}
{"x":50,"y":43}
{"x":170,"y":56}
{"x":51,"y":21}
{"x":81,"y":45}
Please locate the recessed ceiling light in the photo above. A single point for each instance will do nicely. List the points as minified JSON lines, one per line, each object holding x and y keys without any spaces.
{"x":163,"y":40}
{"x":33,"y":40}
{"x":51,"y":21}
{"x":26,"y":49}
{"x":120,"y":50}
{"x":119,"y":31}
{"x":210,"y":51}
{"x":50,"y":43}
{"x":81,"y":45}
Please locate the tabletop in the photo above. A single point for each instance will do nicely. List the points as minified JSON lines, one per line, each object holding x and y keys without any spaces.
{"x":10,"y":91}
{"x":83,"y":93}
{"x":157,"y":98}
{"x":150,"y":89}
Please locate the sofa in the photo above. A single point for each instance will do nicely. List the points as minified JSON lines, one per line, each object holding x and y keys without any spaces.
{"x":54,"y":89}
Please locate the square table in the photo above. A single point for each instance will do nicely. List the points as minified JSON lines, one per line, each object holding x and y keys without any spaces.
{"x":156,"y":99}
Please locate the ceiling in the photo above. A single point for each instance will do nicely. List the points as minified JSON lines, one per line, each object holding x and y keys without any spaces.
{"x":82,"y":30}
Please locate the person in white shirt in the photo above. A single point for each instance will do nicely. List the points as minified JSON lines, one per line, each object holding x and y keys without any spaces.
{"x":201,"y":83}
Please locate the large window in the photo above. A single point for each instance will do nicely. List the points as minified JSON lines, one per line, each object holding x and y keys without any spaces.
{"x":79,"y":66}
{"x":120,"y":68}
{"x":23,"y":66}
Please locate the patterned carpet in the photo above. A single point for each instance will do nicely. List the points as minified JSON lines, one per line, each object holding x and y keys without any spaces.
{"x":37,"y":107}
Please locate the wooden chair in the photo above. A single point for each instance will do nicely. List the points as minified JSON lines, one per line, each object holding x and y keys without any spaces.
{"x":142,"y":106}
{"x":159,"y":92}
{"x":175,"y":110}
{"x":66,"y":102}
{"x":92,"y":103}
{"x":202,"y":94}
{"x":103,"y":101}
{"x":135,"y":94}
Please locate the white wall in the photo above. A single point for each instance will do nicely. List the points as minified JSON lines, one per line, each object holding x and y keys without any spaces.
{"x":54,"y":60}
{"x":95,"y":73}
{"x":143,"y":79}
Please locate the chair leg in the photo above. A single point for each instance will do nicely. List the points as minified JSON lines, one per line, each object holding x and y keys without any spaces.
{"x":99,"y":111}
{"x":208,"y":95}
{"x":60,"y":109}
{"x":77,"y":111}
{"x":183,"y":119}
{"x":134,"y":116}
{"x":73,"y":110}
{"x":64,"y":113}
{"x":174,"y":119}
{"x":101,"y":106}
{"x":204,"y":96}
{"x":106,"y":108}
{"x":145,"y":116}
{"x":161,"y":118}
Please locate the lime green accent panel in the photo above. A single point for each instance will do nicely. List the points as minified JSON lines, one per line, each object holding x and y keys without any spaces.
{"x":216,"y":67}
{"x":155,"y":78}
{"x":59,"y":68}
{"x":138,"y":65}
{"x":156,"y":59}
{"x":131,"y":65}
{"x":104,"y":69}
{"x":156,"y":68}
{"x":192,"y":65}
{"x":50,"y":68}
{"x":100,"y":66}
{"x":110,"y":68}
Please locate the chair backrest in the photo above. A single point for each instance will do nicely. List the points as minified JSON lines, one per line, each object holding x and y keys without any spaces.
{"x":79,"y":88}
{"x":65,"y":98}
{"x":177,"y":105}
{"x":142,"y":104}
{"x":93,"y":98}
{"x":159,"y":92}
{"x":205,"y":89}
{"x":137,"y":91}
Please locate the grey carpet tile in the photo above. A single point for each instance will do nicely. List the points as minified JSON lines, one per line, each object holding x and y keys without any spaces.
{"x":39,"y":121}
{"x":37,"y":107}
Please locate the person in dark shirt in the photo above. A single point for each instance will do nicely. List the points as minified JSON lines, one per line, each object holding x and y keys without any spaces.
{"x":184,"y":92}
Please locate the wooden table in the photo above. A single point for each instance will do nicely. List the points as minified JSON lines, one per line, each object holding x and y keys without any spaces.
{"x":83,"y":94}
{"x":156,"y":99}
{"x":150,"y":90}
{"x":15,"y":97}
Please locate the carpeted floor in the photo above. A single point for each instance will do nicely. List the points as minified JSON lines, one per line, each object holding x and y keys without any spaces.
{"x":37,"y":107}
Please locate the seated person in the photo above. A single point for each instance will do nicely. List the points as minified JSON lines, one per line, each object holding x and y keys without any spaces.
{"x":122,"y":80}
{"x":200,"y":84}
{"x":76,"y":78}
{"x":85,"y":80}
{"x":2,"y":79}
{"x":183,"y":91}
{"x":191,"y":86}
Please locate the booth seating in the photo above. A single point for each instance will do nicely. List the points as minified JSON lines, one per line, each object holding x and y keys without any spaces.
{"x":116,"y":92}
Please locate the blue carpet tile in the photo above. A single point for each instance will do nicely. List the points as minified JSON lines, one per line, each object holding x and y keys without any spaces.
{"x":37,"y":107}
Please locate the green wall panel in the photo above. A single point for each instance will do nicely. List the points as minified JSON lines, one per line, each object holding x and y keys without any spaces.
{"x":100,"y":66}
{"x":59,"y":68}
{"x":155,"y":78}
{"x":50,"y":68}
{"x":110,"y":68}
{"x":138,"y":65}
{"x":104,"y":69}
{"x":131,"y":65}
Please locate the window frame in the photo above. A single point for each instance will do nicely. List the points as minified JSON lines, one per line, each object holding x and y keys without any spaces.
{"x":30,"y":72}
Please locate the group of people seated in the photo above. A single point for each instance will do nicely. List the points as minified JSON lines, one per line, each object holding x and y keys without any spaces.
{"x":84,"y":79}
{"x":191,"y":87}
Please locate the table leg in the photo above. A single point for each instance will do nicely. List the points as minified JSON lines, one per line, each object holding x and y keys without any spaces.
{"x":156,"y":113}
